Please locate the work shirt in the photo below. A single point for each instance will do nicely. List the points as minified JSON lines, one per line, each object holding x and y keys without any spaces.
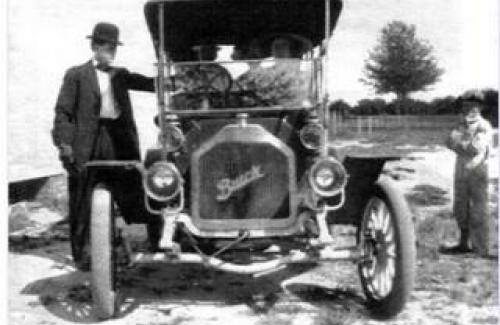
{"x":109,"y":109}
{"x":471,"y":143}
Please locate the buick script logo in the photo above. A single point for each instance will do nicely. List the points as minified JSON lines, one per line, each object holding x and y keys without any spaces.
{"x":227,"y":186}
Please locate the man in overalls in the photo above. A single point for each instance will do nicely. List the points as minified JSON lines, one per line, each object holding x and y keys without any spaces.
{"x":471,"y":141}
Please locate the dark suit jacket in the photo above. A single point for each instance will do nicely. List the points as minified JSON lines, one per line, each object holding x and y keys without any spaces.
{"x":78,"y":107}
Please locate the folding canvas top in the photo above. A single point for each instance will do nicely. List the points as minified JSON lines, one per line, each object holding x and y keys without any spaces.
{"x":196,"y":22}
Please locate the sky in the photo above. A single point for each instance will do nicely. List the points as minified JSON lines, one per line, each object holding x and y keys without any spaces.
{"x":46,"y":37}
{"x":464,"y":34}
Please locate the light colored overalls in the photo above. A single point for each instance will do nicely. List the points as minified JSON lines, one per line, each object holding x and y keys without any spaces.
{"x":471,"y":143}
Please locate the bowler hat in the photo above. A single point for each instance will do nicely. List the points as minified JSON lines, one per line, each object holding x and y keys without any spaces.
{"x":105,"y":32}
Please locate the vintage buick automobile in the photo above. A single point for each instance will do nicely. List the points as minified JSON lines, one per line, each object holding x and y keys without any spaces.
{"x":242,"y":164}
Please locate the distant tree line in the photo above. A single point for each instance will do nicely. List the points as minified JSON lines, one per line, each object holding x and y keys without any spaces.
{"x":439,"y":106}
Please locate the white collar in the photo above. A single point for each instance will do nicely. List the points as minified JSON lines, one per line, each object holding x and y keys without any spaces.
{"x":95,"y":64}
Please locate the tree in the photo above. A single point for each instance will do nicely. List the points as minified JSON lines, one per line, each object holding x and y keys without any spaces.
{"x":374,"y":106}
{"x":401,"y":63}
{"x":444,"y":105}
{"x":341,"y":107}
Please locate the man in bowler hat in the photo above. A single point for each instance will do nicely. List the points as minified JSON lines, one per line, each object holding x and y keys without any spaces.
{"x":94,"y":121}
{"x":470,"y":140}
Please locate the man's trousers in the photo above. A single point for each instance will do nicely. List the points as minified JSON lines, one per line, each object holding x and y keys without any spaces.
{"x":112,"y":143}
{"x":471,"y":205}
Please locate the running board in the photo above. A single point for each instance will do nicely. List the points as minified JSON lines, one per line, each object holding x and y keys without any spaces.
{"x":326,"y":254}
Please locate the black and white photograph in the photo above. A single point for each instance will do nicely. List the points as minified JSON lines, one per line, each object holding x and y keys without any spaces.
{"x":261,"y":162}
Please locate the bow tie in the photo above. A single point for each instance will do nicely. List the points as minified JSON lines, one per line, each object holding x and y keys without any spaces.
{"x":103,"y":67}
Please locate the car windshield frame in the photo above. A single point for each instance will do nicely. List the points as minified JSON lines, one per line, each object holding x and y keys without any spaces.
{"x":270,"y":83}
{"x":163,"y":20}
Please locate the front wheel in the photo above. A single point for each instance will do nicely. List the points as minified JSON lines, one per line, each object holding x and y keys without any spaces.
{"x":102,"y":261}
{"x":387,"y":241}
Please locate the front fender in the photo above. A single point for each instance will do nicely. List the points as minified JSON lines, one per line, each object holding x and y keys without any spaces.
{"x":363,"y":175}
{"x":125,"y":178}
{"x":388,"y":188}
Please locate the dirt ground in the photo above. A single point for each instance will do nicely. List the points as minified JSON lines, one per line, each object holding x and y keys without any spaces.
{"x":44,"y":288}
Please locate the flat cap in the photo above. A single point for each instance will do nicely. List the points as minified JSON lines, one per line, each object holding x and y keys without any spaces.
{"x":473,"y":95}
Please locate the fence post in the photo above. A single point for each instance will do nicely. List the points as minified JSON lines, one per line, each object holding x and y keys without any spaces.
{"x":333,"y":121}
{"x":340,"y":121}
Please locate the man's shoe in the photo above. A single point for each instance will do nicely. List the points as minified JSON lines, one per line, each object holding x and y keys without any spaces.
{"x":487,"y":256}
{"x":455,"y":250}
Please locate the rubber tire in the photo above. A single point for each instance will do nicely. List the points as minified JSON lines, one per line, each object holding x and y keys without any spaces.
{"x":395,"y":301}
{"x":102,"y":257}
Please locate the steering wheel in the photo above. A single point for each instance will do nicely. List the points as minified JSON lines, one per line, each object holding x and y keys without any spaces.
{"x":204,"y":85}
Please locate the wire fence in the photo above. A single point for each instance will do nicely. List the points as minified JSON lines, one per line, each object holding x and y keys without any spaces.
{"x":368,"y":124}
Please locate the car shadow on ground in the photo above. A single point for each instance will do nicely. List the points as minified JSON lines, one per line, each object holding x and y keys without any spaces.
{"x":158,"y":287}
{"x":194,"y":284}
{"x":66,"y":296}
{"x":342,"y":304}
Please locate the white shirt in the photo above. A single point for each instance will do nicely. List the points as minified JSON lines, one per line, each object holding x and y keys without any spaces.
{"x":109,"y":108}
